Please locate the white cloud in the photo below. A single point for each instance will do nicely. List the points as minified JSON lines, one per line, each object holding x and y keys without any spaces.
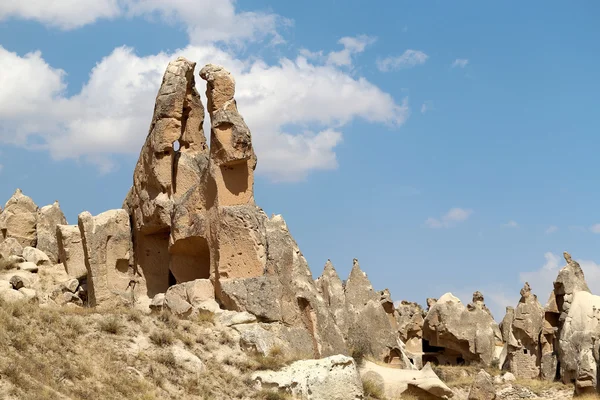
{"x":451,"y":218}
{"x":595,"y":228}
{"x":112,"y":112}
{"x":511,"y":224}
{"x":551,"y":229}
{"x":1,"y":168}
{"x":206,"y":21}
{"x":460,"y":63}
{"x":63,"y":14}
{"x":410,"y":58}
{"x":352,"y":46}
{"x":426,"y":107}
{"x":209,"y":21}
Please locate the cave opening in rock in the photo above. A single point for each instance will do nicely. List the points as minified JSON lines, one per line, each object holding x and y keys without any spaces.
{"x":190,"y":259}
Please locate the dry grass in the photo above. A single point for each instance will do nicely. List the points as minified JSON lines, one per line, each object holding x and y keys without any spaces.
{"x":162,"y":338}
{"x":89,"y":354}
{"x":539,"y":386}
{"x":461,"y":376}
{"x":372,"y":390}
{"x":275,"y":360}
{"x":111,"y":324}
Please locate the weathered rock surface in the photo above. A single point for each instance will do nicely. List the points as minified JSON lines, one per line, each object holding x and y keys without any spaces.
{"x":11,"y":247}
{"x":330,"y":286}
{"x":422,"y":384}
{"x":369,"y":328}
{"x":18,"y":220}
{"x":189,"y":297}
{"x":107,"y":248}
{"x":471,"y":332}
{"x":482,"y":387}
{"x":70,"y":249}
{"x":523,"y":345}
{"x":49,"y":217}
{"x":164,"y":175}
{"x":579,"y":339}
{"x":331,"y":378}
{"x":36,"y":256}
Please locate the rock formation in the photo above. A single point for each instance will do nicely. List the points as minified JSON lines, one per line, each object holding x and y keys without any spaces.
{"x":521,"y":329}
{"x":460,"y":334}
{"x":18,"y":220}
{"x":48,"y":218}
{"x":107,"y":247}
{"x":332,"y":378}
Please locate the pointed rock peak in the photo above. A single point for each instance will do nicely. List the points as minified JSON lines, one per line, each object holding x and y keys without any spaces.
{"x":329,"y":269}
{"x":526,"y":291}
{"x":510,"y":309}
{"x":220,"y":88}
{"x":357,"y":274}
{"x":21,"y":201}
{"x":478,"y":297}
{"x":570,"y":278}
{"x":431,"y":301}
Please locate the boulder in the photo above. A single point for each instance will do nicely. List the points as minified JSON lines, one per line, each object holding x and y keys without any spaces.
{"x":28,"y":294}
{"x":231,"y":318}
{"x":187,"y":361}
{"x":482,"y":388}
{"x":12,"y":296}
{"x":395,"y":382}
{"x":189,"y":297}
{"x":48,"y":218}
{"x":263,"y":338}
{"x":36,"y":256}
{"x":19,"y":282}
{"x":28,"y":266}
{"x":107,"y":247}
{"x":18,"y":220}
{"x":10,"y":247}
{"x":469,"y":332}
{"x":332,"y":378}
{"x":70,"y":249}
{"x":158,"y":302}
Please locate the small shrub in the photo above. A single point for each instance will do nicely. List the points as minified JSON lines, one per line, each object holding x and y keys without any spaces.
{"x":372,"y":390}
{"x":162,"y":338}
{"x":111,"y":325}
{"x":359,"y":352}
{"x":167,"y":359}
{"x":169,"y":319}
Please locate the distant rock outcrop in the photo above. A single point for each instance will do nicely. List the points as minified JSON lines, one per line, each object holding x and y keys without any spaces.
{"x":462,"y":334}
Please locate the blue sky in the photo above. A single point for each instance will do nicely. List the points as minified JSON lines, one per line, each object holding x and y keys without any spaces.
{"x":449,"y":146}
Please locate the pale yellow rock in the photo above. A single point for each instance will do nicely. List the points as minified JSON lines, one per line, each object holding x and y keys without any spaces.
{"x":71,"y":252}
{"x":107,"y":248}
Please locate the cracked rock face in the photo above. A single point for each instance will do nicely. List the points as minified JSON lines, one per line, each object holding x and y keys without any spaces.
{"x":470,"y":331}
{"x":18,"y":220}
